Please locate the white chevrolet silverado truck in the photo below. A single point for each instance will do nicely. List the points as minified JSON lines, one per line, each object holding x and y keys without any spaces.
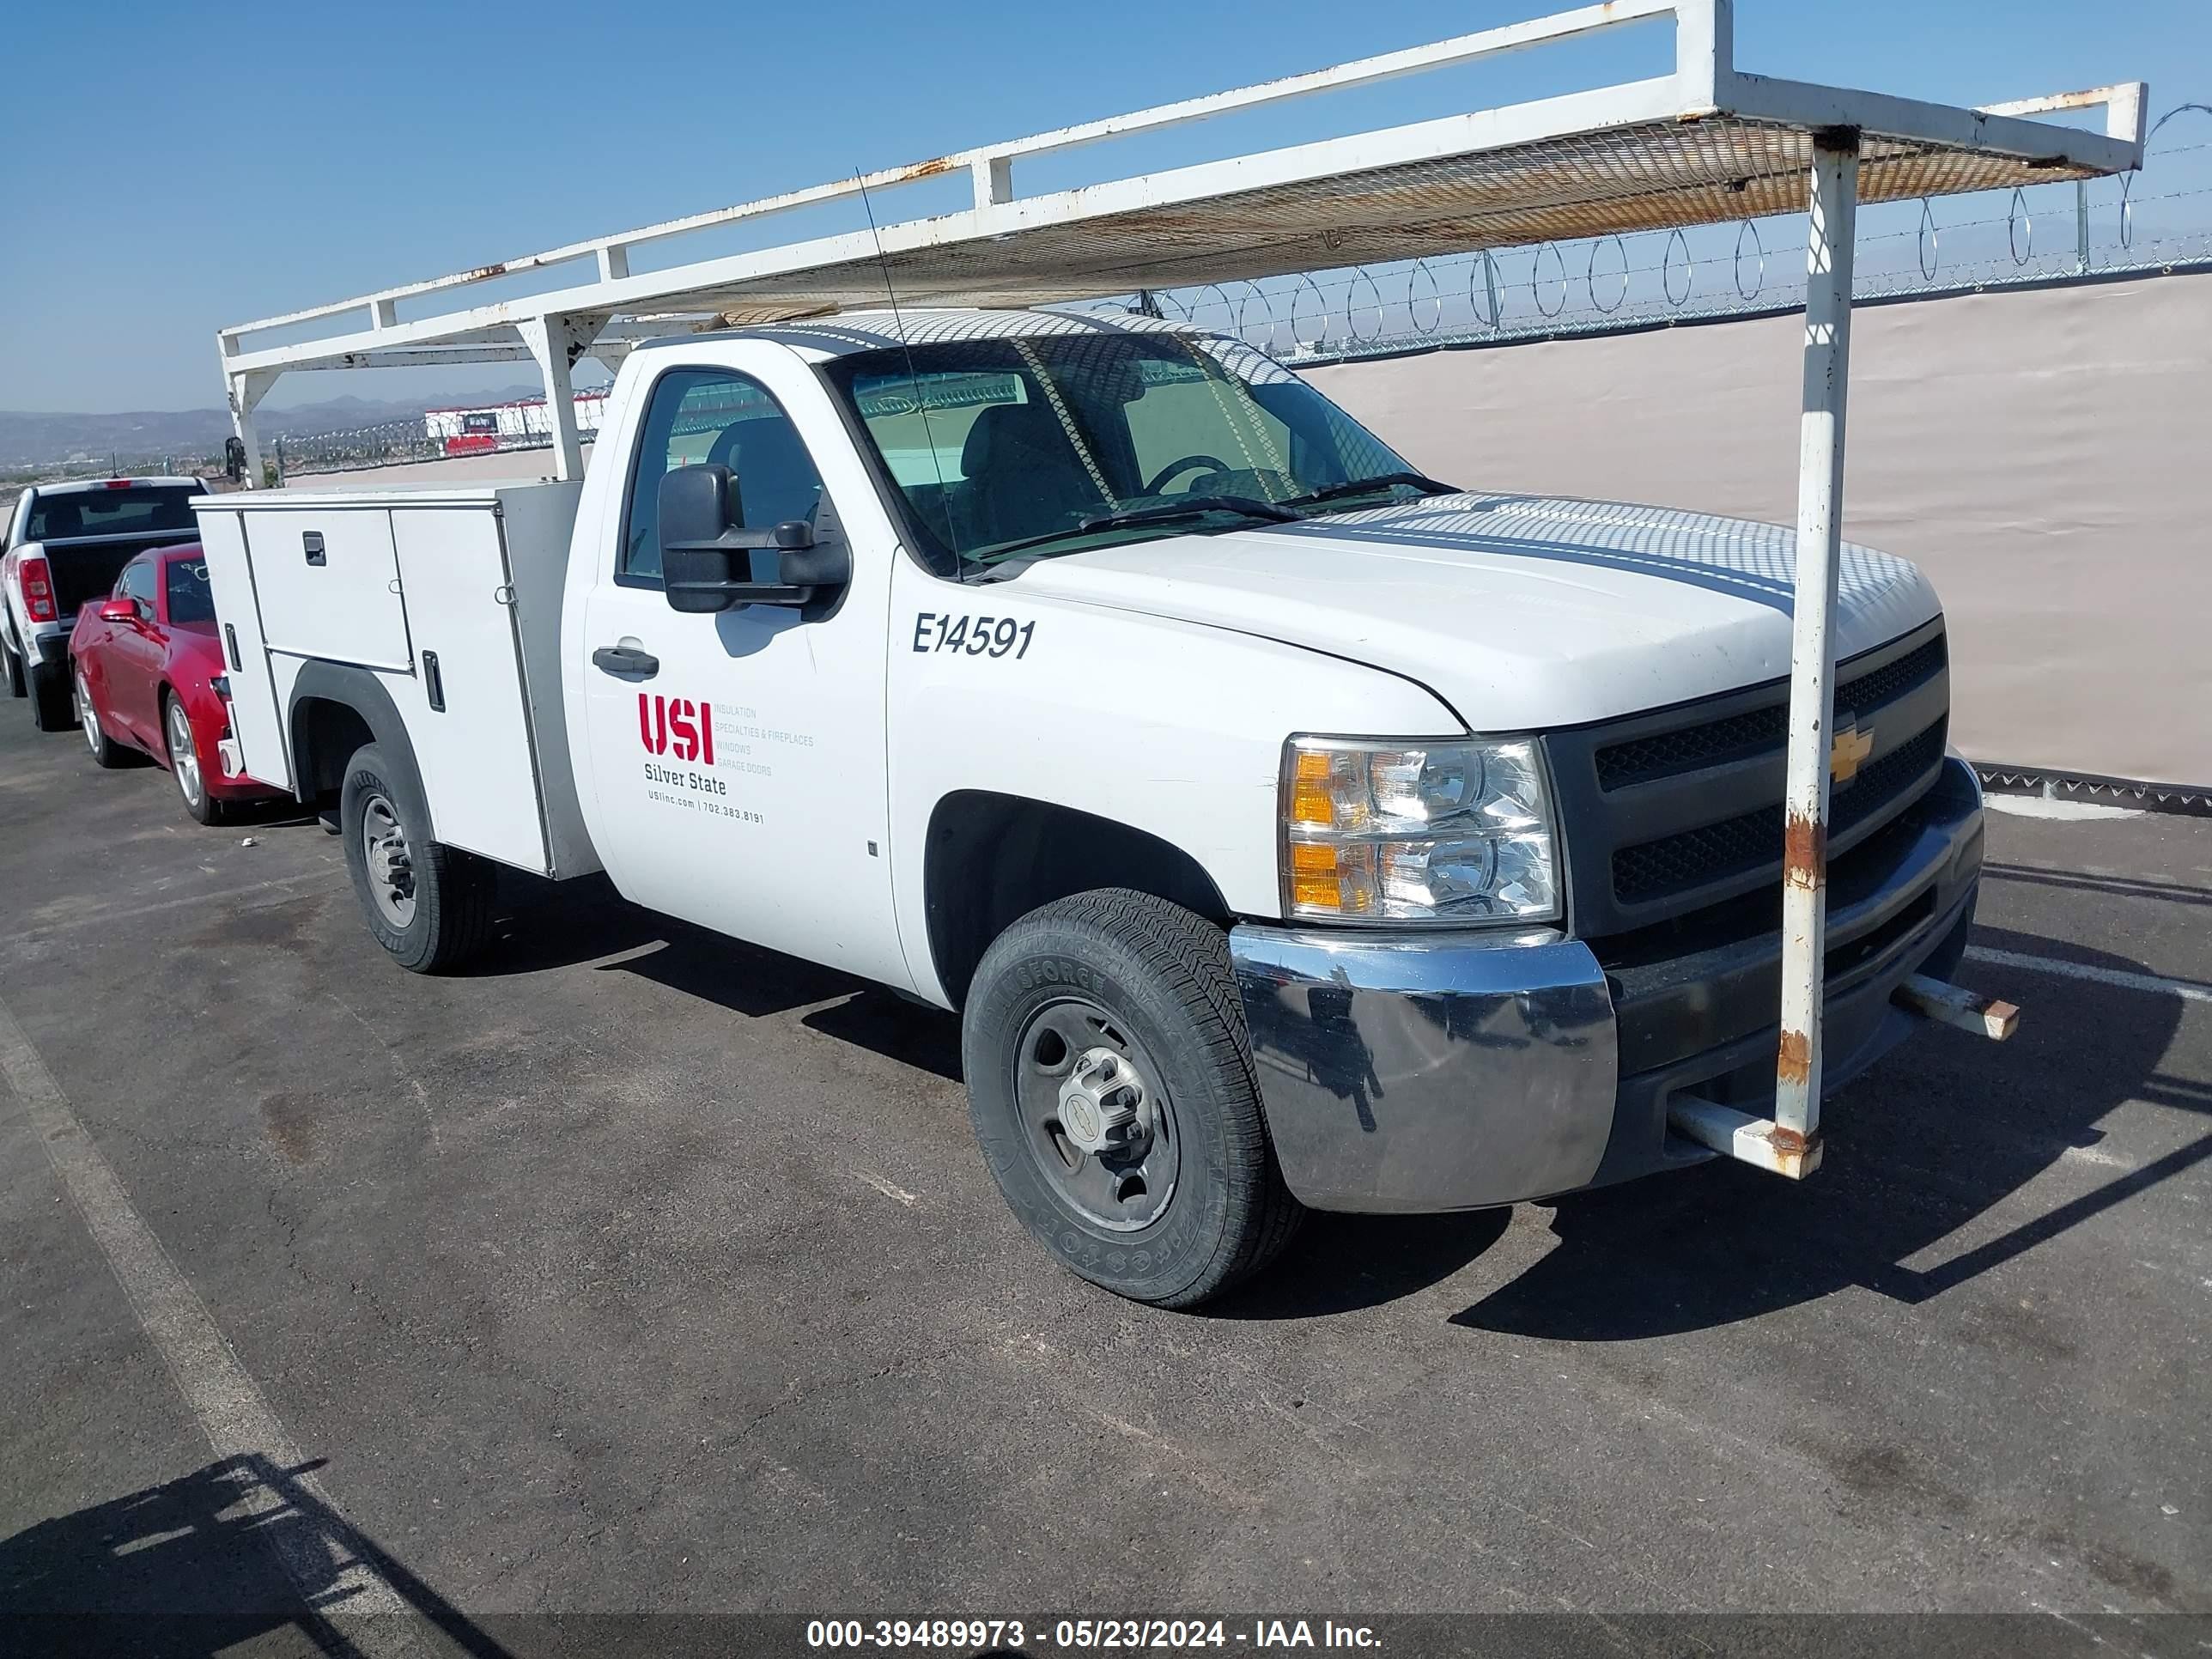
{"x":1289,"y":830}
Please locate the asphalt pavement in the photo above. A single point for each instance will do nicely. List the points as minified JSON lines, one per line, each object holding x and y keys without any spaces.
{"x":640,"y":1272}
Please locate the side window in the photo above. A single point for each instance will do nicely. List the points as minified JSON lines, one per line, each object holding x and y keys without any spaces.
{"x":137,"y":586}
{"x":700,"y":416}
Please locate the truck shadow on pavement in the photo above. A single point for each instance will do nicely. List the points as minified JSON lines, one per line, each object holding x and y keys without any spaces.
{"x":1939,"y":1132}
{"x":1936,"y":1135}
{"x":197,"y":1566}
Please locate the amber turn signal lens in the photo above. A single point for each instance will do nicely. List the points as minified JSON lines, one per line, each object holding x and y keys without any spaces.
{"x":1315,"y":883}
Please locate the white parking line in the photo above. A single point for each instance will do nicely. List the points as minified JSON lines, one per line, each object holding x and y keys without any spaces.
{"x":231,"y":1413}
{"x":2187,"y":990}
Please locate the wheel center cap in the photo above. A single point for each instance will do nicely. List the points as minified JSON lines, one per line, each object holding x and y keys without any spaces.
{"x":1100,"y":1101}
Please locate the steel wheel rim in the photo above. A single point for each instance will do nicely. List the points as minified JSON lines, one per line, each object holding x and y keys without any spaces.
{"x":1070,"y":1052}
{"x":86,"y":718}
{"x":184,"y":759}
{"x":391,"y":866}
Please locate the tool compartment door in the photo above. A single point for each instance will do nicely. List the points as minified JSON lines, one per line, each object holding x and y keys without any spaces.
{"x":255,"y":719}
{"x":465,"y":707}
{"x":328,"y":579}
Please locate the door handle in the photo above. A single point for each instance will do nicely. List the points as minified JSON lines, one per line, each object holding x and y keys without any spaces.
{"x":622,"y":660}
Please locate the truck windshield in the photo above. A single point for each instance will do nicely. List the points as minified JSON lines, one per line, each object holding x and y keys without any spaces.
{"x":1037,"y":445}
{"x":146,"y":509}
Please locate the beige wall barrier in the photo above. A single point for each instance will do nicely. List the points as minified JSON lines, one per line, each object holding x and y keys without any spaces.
{"x":2044,"y":455}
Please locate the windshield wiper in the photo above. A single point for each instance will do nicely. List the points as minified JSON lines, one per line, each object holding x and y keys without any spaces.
{"x":1191,"y":506}
{"x":1195,"y":506}
{"x":1337,"y":492}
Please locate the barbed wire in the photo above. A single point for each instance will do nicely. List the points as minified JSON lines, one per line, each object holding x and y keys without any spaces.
{"x":1658,"y":277}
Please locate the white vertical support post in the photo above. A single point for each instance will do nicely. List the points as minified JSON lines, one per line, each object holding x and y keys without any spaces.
{"x":556,"y":342}
{"x":994,"y":178}
{"x":245,"y":392}
{"x":1813,"y":646}
{"x":1705,"y":52}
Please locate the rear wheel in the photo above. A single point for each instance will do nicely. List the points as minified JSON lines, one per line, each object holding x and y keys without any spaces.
{"x":52,"y":701}
{"x":104,"y":752}
{"x":429,"y":905}
{"x":11,"y":669}
{"x":184,"y":762}
{"x":1110,"y":1081}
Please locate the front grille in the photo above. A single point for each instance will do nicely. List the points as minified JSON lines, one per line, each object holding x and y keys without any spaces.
{"x":1715,"y":852}
{"x":1739,"y":737}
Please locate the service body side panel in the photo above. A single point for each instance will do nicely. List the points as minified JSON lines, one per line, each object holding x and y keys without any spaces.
{"x":328,"y":579}
{"x":540,"y":520}
{"x":256,"y":717}
{"x":1171,"y":727}
{"x":468,"y":719}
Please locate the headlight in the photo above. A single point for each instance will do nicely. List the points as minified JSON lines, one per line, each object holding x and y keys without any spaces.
{"x":1457,"y":830}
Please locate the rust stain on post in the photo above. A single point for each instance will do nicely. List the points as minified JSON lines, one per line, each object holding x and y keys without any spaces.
{"x":924,"y":170}
{"x":1804,"y":852}
{"x":483,"y":273}
{"x":1786,"y":1142}
{"x":1793,"y":1064}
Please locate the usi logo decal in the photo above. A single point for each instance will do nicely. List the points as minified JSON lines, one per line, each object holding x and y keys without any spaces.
{"x":678,"y":725}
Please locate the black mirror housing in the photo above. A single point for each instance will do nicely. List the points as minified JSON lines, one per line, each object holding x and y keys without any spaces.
{"x":707,"y":560}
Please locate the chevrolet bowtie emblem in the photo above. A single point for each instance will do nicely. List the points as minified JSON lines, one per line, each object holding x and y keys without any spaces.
{"x":1851,"y":748}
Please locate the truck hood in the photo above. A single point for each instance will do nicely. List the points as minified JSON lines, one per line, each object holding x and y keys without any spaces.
{"x":1521,"y":612}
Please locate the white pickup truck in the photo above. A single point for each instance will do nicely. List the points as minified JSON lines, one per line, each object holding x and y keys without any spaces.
{"x":1289,"y":830}
{"x":63,"y":546}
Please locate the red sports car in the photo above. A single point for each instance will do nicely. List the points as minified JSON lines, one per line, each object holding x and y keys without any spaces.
{"x":147,"y":671}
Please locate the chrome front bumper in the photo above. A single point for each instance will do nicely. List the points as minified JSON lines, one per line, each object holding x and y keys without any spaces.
{"x":1412,"y":1071}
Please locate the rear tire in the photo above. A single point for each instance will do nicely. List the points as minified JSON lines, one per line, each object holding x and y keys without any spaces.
{"x":51,"y":699}
{"x":186,"y":769}
{"x":105,"y":751}
{"x":11,"y":669}
{"x":1122,"y":986}
{"x":429,"y":905}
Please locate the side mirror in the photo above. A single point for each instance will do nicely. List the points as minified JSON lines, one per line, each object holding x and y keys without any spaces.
{"x":707,"y":559}
{"x":117,"y":611}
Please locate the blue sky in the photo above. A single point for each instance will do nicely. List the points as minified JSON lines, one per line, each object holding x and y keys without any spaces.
{"x":167,"y":169}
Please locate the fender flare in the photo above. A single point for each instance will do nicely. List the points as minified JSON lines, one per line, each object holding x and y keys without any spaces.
{"x":362,"y":692}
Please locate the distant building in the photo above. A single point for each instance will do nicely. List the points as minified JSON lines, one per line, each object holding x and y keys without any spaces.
{"x":521,"y":424}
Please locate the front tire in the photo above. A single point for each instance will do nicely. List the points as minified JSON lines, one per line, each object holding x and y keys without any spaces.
{"x":429,"y":905}
{"x":1110,"y":1078}
{"x":105,"y":751}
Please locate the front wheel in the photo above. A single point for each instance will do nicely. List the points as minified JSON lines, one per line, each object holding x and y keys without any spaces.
{"x":429,"y":904}
{"x":1109,"y":1076}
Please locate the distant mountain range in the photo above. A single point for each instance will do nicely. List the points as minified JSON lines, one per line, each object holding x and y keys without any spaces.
{"x":137,"y":436}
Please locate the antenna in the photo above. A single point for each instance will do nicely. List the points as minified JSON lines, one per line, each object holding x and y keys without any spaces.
{"x":913,"y":374}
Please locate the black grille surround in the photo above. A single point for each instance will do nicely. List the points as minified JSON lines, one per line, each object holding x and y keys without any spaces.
{"x":1751,"y":841}
{"x":1673,"y":811}
{"x":1737,"y":736}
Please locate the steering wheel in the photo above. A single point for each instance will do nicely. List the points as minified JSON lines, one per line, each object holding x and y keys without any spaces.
{"x":1176,"y":470}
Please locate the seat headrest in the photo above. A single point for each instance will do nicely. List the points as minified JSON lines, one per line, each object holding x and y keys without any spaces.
{"x":1014,"y":435}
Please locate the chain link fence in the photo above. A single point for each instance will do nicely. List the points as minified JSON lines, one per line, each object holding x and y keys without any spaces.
{"x":2159,"y":219}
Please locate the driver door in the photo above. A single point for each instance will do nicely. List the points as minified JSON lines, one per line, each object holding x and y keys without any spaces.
{"x":738,"y":758}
